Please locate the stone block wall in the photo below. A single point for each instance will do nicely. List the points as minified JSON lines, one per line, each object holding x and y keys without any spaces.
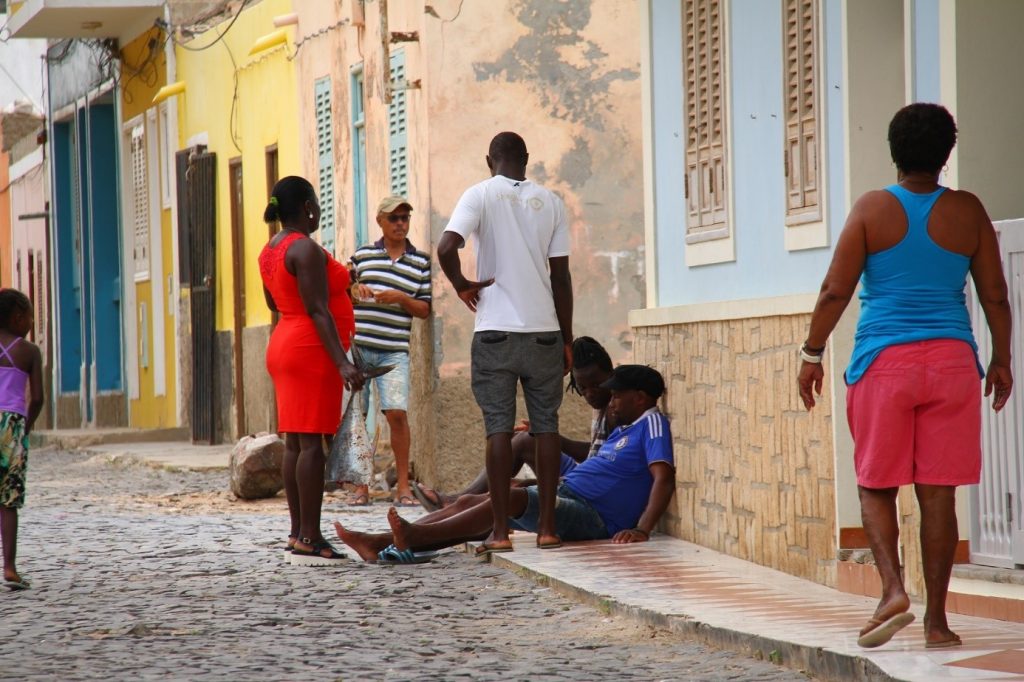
{"x":754,"y":470}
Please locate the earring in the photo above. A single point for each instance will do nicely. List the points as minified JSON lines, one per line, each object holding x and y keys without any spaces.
{"x":310,"y":216}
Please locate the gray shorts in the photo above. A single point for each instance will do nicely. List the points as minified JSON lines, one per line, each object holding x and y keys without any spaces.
{"x":500,"y":360}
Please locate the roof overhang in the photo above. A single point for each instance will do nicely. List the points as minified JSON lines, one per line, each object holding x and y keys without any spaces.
{"x":121,"y":19}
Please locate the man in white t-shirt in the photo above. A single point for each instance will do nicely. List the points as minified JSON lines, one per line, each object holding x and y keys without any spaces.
{"x":522,"y":298}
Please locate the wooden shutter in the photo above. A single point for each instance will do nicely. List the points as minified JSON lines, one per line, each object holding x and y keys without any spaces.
{"x":397,"y":123}
{"x":325,"y":154}
{"x":706,"y":190}
{"x":140,"y":201}
{"x":803,"y":174}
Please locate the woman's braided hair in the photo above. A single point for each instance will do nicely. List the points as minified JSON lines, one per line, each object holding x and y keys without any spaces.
{"x":11,"y":300}
{"x":587,"y":352}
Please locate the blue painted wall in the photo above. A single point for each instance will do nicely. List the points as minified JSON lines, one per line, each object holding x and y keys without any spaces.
{"x":106,"y":246}
{"x":88,"y":250}
{"x":763,"y":267}
{"x":68,"y":296}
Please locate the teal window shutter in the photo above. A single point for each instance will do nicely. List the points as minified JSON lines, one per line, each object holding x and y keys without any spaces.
{"x":397,"y":127}
{"x":358,"y":157}
{"x":325,"y":152}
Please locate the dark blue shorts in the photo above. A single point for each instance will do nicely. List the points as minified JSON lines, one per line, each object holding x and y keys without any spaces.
{"x":575,"y":519}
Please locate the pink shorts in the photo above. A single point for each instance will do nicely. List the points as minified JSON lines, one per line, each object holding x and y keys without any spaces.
{"x":915,"y":416}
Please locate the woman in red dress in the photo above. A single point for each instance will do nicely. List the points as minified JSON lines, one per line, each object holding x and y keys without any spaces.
{"x":306,"y":356}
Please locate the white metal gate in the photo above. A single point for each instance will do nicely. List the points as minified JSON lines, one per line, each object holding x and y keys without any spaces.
{"x":997,"y":526}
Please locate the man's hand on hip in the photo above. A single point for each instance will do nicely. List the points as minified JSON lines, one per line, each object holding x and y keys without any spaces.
{"x":469,"y":292}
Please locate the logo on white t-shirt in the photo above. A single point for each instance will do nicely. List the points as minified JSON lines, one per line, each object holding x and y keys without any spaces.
{"x":536,"y":204}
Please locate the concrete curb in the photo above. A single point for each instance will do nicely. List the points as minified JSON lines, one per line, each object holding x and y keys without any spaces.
{"x":78,"y":439}
{"x":168,"y":456}
{"x":821,"y":663}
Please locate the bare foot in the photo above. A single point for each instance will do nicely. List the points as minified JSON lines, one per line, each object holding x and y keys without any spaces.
{"x":399,"y":529}
{"x":366,"y":545}
{"x":887,"y":608}
{"x":12,"y":576}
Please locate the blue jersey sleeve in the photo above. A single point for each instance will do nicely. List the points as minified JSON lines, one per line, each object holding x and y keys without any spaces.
{"x":658,"y":440}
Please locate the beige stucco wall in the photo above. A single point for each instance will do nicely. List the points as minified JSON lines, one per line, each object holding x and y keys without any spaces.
{"x":754,"y":470}
{"x":566,"y":77}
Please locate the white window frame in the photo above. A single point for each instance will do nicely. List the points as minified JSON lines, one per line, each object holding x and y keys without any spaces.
{"x":156,"y":256}
{"x":167,"y":168}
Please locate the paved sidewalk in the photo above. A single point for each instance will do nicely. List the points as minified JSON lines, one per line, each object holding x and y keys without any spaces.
{"x":736,"y":604}
{"x":174,"y":456}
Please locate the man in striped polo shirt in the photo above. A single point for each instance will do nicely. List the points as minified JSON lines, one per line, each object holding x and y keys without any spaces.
{"x":392,"y":287}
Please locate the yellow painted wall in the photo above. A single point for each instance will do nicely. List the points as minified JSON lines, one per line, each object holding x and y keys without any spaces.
{"x":265,"y":112}
{"x":144,"y":72}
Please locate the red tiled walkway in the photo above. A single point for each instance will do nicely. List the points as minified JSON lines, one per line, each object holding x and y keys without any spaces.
{"x":736,"y":603}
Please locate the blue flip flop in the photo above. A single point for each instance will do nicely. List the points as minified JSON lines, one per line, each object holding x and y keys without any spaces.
{"x":15,"y":585}
{"x":392,"y":556}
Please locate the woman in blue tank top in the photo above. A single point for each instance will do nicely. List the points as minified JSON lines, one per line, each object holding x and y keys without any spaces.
{"x":914,"y":389}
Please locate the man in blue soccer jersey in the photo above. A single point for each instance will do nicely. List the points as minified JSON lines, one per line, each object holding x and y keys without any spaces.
{"x":619,"y":493}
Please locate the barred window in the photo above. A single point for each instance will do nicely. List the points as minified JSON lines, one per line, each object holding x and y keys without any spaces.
{"x":801,"y":162}
{"x":140,"y":200}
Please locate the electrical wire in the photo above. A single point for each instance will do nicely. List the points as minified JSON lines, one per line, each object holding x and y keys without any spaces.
{"x":20,"y":89}
{"x":219,"y":37}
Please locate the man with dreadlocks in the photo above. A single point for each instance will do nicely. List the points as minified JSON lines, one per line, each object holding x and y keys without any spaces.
{"x":591,"y":366}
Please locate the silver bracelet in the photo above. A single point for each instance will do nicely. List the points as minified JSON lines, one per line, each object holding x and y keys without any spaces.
{"x":813,"y":359}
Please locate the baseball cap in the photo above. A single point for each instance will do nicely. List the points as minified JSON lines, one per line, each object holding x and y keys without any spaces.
{"x":636,"y":378}
{"x":389,"y":204}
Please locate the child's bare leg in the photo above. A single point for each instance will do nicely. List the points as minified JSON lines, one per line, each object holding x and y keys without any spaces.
{"x":366,"y":545}
{"x":9,"y":538}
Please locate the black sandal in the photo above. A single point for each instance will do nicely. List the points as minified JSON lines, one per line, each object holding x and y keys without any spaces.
{"x":315,"y":556}
{"x":290,"y":545}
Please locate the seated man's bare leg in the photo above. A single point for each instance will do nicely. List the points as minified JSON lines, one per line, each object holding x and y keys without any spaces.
{"x":472,"y":523}
{"x":460,"y":505}
{"x":878,"y":514}
{"x":366,"y":545}
{"x":522,"y":453}
{"x":939,"y":537}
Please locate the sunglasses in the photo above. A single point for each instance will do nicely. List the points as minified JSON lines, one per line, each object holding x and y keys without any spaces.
{"x":402,"y":218}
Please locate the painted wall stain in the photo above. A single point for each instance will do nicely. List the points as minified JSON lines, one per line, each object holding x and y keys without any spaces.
{"x":575,"y":165}
{"x":575,"y":89}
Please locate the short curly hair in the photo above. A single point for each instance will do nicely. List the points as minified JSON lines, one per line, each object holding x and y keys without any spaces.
{"x":921,"y":136}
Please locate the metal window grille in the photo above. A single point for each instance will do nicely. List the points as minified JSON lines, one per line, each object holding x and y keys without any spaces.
{"x":140,"y":200}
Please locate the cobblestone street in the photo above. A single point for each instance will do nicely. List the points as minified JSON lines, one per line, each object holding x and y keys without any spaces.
{"x":143,"y":574}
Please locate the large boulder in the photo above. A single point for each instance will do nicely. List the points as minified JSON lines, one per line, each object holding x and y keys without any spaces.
{"x":255,"y":466}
